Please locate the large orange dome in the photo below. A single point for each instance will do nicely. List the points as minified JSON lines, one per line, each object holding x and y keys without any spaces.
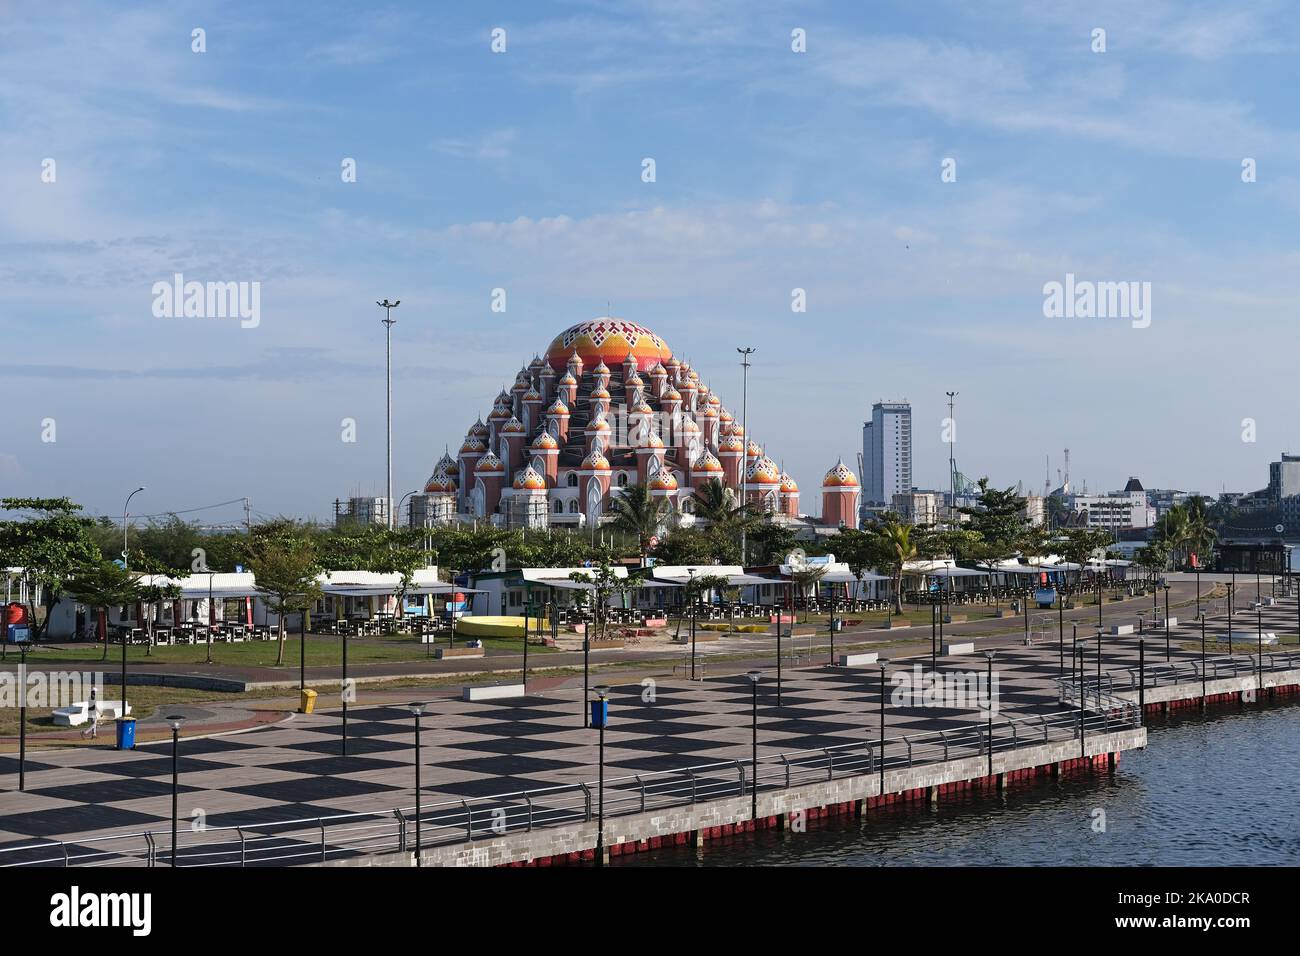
{"x":610,"y":340}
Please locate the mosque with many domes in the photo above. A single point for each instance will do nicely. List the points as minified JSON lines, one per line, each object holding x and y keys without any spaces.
{"x":607,"y":407}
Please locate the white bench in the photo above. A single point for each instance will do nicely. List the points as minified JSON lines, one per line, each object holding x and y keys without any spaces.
{"x":966,"y":648}
{"x":492,"y":691}
{"x":1120,"y":629}
{"x":79,"y":712}
{"x":858,"y":660}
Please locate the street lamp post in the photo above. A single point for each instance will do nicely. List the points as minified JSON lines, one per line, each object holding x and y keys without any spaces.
{"x":745,"y":353}
{"x":126,"y":565}
{"x":175,"y":721}
{"x":389,"y":322}
{"x":882,"y":661}
{"x":754,"y":677}
{"x":22,"y":715}
{"x":1082,"y":732}
{"x":779,"y":627}
{"x":1166,"y":623}
{"x":1142,"y":680}
{"x":1202,"y":661}
{"x":989,"y":691}
{"x":416,"y":708}
{"x":601,"y":713}
{"x":690,"y":587}
{"x":346,"y":690}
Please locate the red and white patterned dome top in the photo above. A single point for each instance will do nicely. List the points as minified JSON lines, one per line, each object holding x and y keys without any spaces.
{"x":788,"y":485}
{"x":671,"y":395}
{"x":754,"y":450}
{"x":763,"y":471}
{"x":654,"y":441}
{"x":489,"y":463}
{"x":513,"y":427}
{"x":634,"y":379}
{"x":500,"y":412}
{"x":595,"y":462}
{"x":601,"y":369}
{"x":545,"y":442}
{"x":658,"y":369}
{"x":532,"y":395}
{"x":529,"y":480}
{"x":689,"y":427}
{"x":608,"y":339}
{"x":558,"y":408}
{"x":599,"y":393}
{"x":473,"y":445}
{"x":568,"y":379}
{"x":663,"y":481}
{"x":439,"y":483}
{"x":707,"y":462}
{"x":732,"y":443}
{"x":478,"y":429}
{"x":597,"y":424}
{"x":840,"y":477}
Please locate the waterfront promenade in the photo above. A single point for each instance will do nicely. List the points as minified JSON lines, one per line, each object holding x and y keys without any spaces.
{"x":478,"y":758}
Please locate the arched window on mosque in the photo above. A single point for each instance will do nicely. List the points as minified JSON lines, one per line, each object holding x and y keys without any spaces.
{"x":622,"y":479}
{"x":688,"y":506}
{"x":557,"y":506}
{"x":573,"y":505}
{"x":573,"y":482}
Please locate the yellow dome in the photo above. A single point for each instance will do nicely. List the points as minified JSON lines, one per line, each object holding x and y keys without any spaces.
{"x":529,"y":480}
{"x":840,"y":477}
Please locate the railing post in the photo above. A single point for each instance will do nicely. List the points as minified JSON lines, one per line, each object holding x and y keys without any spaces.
{"x":785,"y":760}
{"x":530,"y":811}
{"x":401,"y":833}
{"x":64,"y":845}
{"x":243,"y":850}
{"x":641,"y":784}
{"x":943,"y":735}
{"x":740,"y":770}
{"x":469,"y":818}
{"x":151,"y":852}
{"x":908,"y":741}
{"x":830,"y":763}
{"x":691,"y":774}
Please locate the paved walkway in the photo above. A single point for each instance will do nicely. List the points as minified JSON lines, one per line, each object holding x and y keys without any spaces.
{"x":475,"y":751}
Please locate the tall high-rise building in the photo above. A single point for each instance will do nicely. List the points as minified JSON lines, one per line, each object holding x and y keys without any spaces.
{"x":887,"y":453}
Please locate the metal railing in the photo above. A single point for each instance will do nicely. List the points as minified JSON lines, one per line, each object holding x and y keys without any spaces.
{"x":327,"y":838}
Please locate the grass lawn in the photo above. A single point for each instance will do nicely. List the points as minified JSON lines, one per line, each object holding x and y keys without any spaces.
{"x":321,"y":651}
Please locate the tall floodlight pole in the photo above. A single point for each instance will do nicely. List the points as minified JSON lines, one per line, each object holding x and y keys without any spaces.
{"x":745,"y":353}
{"x":389,"y":322}
{"x":952,"y":465}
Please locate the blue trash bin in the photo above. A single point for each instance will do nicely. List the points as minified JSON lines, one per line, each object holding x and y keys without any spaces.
{"x":126,"y":733}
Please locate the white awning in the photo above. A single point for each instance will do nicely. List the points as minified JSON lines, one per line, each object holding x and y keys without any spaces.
{"x":848,"y":577}
{"x":957,"y":573}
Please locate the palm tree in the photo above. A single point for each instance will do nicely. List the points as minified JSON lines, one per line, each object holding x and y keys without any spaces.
{"x":1174,"y":530}
{"x":1200,"y":537}
{"x":898,"y":548}
{"x":639,"y":513}
{"x":716,"y":503}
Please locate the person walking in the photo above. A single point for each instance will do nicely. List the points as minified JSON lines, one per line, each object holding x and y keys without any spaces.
{"x":92,"y":710}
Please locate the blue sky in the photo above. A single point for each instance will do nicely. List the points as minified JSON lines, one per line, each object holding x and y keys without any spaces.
{"x":522,"y":170}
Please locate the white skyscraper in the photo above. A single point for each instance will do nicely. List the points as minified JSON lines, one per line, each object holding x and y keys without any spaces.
{"x":887,"y":453}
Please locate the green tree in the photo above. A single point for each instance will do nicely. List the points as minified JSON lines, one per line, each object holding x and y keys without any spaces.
{"x":101,"y":584}
{"x":48,"y":542}
{"x":637,"y":512}
{"x":285,"y":567}
{"x":897,"y":547}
